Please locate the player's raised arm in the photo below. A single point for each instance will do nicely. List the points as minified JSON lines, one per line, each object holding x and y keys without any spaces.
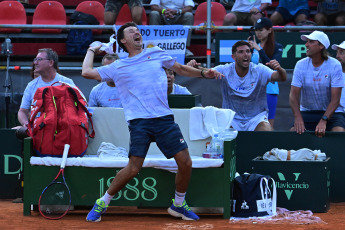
{"x":185,"y":70}
{"x":87,"y":69}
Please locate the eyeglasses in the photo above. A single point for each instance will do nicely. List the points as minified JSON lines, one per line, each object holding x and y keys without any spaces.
{"x":40,"y":59}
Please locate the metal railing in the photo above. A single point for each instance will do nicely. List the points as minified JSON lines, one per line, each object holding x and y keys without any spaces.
{"x":208,"y":28}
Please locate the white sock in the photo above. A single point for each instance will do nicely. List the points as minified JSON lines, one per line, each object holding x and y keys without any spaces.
{"x":179,"y":198}
{"x":107,"y":198}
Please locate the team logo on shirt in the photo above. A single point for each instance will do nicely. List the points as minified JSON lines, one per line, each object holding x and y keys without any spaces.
{"x":181,"y":140}
{"x":149,"y":57}
{"x":240,"y":88}
{"x":326,"y":76}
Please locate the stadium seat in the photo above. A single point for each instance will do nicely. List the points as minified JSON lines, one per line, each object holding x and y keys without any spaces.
{"x":65,"y":2}
{"x":94,"y":8}
{"x":218,"y":13}
{"x":49,"y":13}
{"x":125,"y":15}
{"x":12,"y":12}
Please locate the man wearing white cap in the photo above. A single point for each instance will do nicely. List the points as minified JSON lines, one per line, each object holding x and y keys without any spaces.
{"x":341,"y":58}
{"x":316,"y":88}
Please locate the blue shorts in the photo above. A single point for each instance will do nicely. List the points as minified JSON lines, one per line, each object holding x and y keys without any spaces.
{"x":162,"y":130}
{"x":291,"y":18}
{"x":272,"y":100}
{"x":312,"y":118}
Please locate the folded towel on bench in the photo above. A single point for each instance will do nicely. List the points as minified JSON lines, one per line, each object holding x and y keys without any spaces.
{"x":153,"y":161}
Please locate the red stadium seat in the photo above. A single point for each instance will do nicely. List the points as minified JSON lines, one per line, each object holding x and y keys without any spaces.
{"x":49,"y":13}
{"x":65,"y":2}
{"x":218,"y":13}
{"x":94,"y":8}
{"x":12,"y":12}
{"x":125,"y":15}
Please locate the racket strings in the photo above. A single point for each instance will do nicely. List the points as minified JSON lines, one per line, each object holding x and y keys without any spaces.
{"x":55,"y":200}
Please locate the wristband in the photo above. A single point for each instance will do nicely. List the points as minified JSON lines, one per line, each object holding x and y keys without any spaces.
{"x":91,"y":50}
{"x":163,"y":11}
{"x":324,"y":117}
{"x":202,"y":74}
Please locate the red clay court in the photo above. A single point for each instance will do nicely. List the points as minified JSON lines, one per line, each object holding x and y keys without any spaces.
{"x":11,"y":217}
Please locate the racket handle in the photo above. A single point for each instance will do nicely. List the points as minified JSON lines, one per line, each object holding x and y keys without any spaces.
{"x":64,"y":156}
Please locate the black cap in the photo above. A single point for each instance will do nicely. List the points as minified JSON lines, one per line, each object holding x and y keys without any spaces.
{"x":263,"y":23}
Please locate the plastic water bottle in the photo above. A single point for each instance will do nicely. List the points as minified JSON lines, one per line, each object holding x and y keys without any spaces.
{"x":217,"y":146}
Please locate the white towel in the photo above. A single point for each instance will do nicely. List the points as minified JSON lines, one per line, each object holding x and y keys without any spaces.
{"x":109,"y":151}
{"x":205,"y":122}
{"x":107,"y":47}
{"x":294,"y":155}
{"x":156,"y":161}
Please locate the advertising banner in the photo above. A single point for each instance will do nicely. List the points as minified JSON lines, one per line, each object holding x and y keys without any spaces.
{"x":171,"y":38}
{"x":294,"y":48}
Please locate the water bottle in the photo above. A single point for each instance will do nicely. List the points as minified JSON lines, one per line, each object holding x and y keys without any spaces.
{"x":217,"y":146}
{"x":209,"y":151}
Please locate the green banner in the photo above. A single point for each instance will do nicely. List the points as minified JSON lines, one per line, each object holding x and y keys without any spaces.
{"x":11,"y":166}
{"x":294,"y":47}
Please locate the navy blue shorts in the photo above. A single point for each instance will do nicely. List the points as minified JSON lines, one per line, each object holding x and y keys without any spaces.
{"x":312,"y":118}
{"x":291,"y":18}
{"x":162,"y":130}
{"x":272,"y":100}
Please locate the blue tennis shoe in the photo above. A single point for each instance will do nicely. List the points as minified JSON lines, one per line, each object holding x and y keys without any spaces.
{"x":98,"y":209}
{"x":183,"y":211}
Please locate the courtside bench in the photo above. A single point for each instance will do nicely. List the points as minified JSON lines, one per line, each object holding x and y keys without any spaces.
{"x":152,"y":187}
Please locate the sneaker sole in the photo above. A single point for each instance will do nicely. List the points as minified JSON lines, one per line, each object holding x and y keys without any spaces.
{"x":177,"y":214}
{"x":98,"y":220}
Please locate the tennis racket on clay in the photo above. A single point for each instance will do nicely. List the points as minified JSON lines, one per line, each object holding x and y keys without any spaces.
{"x":55,"y":200}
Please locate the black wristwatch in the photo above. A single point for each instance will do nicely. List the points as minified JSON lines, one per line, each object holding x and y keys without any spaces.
{"x":324,"y":117}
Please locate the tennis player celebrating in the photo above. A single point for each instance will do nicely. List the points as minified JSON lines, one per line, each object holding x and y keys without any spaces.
{"x":142,"y":85}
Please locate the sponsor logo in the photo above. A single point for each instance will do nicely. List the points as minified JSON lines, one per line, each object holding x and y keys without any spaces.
{"x":240,"y":88}
{"x":244,"y":205}
{"x":289,"y":187}
{"x":316,"y":79}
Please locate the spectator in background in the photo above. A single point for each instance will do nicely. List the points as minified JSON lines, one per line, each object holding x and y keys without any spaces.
{"x":290,"y":11}
{"x":165,"y":12}
{"x":46,"y":66}
{"x":113,"y":7}
{"x":267,"y":50}
{"x":316,"y":88}
{"x":172,"y":87}
{"x":105,"y":94}
{"x":330,"y":12}
{"x":246,"y":12}
{"x":341,"y":58}
{"x":33,"y":73}
{"x":244,"y":88}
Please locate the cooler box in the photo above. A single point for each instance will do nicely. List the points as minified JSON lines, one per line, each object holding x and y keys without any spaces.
{"x":301,"y":185}
{"x":184,"y":101}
